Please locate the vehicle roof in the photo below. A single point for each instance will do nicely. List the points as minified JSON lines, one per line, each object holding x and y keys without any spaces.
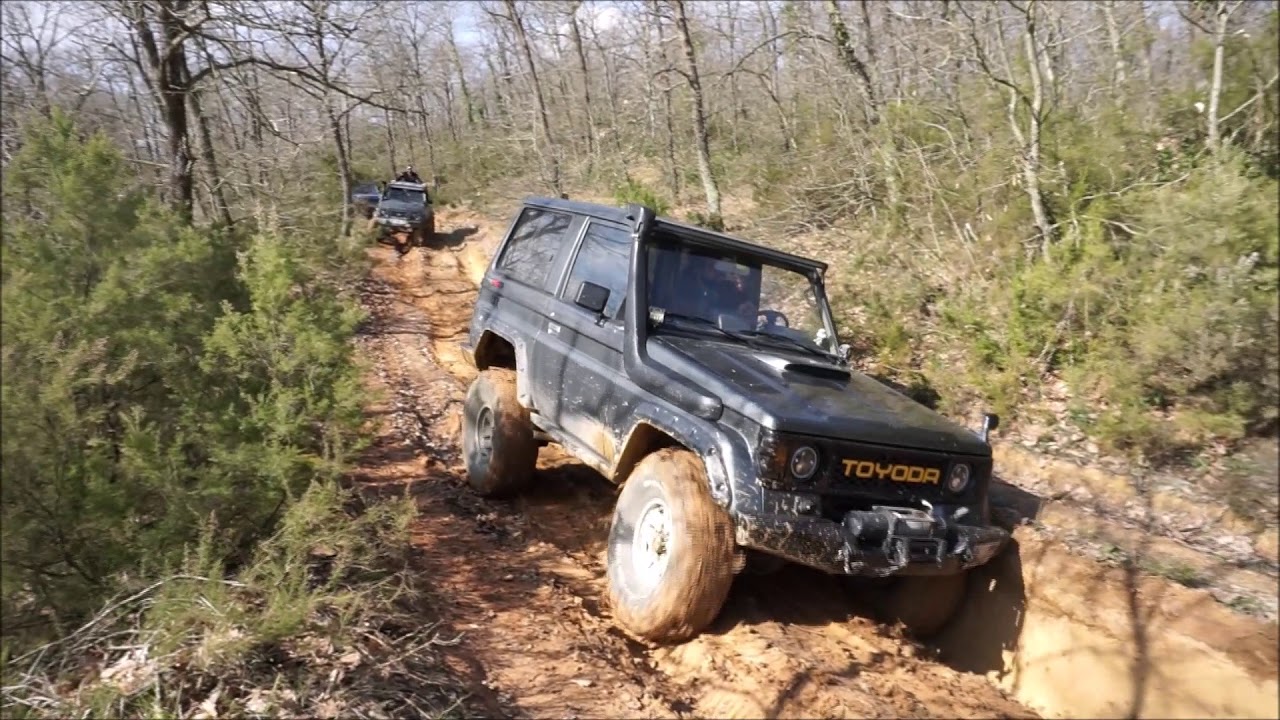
{"x":697,"y":234}
{"x":407,"y":185}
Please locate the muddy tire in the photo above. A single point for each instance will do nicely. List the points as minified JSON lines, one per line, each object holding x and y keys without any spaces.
{"x":428,"y":234}
{"x":923,"y":604}
{"x":671,"y":550}
{"x":497,"y":435}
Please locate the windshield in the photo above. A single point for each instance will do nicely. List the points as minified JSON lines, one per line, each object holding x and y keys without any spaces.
{"x":402,"y":195}
{"x":739,"y":293}
{"x":365,"y":189}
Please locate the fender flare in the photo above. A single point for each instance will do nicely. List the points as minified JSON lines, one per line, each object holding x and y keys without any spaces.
{"x":505,"y":333}
{"x":709,"y":443}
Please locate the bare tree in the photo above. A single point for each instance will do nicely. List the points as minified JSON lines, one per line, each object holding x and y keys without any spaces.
{"x":1215,"y":16}
{"x":1108,"y":9}
{"x":589,"y":123}
{"x":692,"y":77}
{"x":1030,"y":100}
{"x":552,"y":150}
{"x":849,"y":56}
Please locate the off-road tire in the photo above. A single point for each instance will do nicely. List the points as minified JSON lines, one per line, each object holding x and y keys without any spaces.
{"x":428,"y":233}
{"x":492,"y":410}
{"x":700,"y":551}
{"x":924,"y":604}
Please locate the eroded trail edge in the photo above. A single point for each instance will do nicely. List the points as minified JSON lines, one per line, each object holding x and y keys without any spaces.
{"x":522,"y":581}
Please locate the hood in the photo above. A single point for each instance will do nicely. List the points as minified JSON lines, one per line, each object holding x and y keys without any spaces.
{"x":794,"y":392}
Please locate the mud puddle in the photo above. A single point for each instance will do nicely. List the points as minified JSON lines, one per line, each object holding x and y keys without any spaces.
{"x":523,"y":582}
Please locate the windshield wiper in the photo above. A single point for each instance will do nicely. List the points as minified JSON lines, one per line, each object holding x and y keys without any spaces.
{"x":703,"y":322}
{"x":792,"y":341}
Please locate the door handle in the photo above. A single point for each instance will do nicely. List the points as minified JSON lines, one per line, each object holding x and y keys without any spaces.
{"x":553,"y":328}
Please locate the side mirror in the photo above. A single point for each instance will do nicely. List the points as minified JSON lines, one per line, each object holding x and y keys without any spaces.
{"x":990,"y":421}
{"x":593,"y":297}
{"x":845,"y":351}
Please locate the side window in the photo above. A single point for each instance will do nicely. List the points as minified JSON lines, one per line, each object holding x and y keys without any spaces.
{"x":602,"y":259}
{"x":534,"y":243}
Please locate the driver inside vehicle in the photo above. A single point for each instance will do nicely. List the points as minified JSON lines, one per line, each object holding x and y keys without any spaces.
{"x":717,"y":290}
{"x":724,"y":291}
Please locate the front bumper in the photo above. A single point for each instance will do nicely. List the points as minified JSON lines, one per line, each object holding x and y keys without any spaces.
{"x":876,"y":543}
{"x":394,"y":223}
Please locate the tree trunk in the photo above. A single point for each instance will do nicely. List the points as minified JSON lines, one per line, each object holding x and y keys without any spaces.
{"x":340,"y":144}
{"x":344,"y":165}
{"x":891,"y":31}
{"x":462,"y":75}
{"x":849,"y":56}
{"x":219,"y":198}
{"x":499,"y":98}
{"x":736,"y":110}
{"x":868,"y":37}
{"x":410,"y":127}
{"x":447,"y":88}
{"x":699,"y":117}
{"x":391,"y":142}
{"x":610,"y":88}
{"x":508,"y":81}
{"x":170,"y":73}
{"x":673,"y":169}
{"x":431,"y":145}
{"x":144,"y":121}
{"x":1221,"y":15}
{"x":650,"y":89}
{"x":525,"y":49}
{"x":590,"y":123}
{"x":1031,"y":158}
{"x":346,"y":123}
{"x":769,"y":24}
{"x":1117,"y":50}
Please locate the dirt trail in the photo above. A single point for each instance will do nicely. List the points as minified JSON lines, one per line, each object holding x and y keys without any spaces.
{"x":523,"y":581}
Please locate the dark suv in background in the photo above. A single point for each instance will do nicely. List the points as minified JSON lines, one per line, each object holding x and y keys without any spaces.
{"x":405,"y":209}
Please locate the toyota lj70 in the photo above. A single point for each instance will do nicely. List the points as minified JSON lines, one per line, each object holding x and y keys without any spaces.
{"x":704,"y":374}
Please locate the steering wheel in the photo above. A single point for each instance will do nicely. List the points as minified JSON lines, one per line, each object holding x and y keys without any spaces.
{"x":771,"y":317}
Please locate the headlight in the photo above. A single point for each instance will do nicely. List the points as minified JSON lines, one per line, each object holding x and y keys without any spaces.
{"x":804,"y":463}
{"x":958,"y":480}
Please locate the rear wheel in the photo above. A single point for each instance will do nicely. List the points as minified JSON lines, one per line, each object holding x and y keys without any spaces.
{"x":671,"y":550}
{"x":497,"y":435}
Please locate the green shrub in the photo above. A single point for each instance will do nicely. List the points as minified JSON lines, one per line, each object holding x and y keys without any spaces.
{"x":634,"y":191}
{"x":706,"y":220}
{"x":157,"y":376}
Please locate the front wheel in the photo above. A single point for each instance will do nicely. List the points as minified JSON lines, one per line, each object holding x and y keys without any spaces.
{"x":670,"y":550}
{"x":924,"y":604}
{"x":497,"y":435}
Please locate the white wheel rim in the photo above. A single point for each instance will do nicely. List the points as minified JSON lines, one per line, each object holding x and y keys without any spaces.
{"x":651,"y":543}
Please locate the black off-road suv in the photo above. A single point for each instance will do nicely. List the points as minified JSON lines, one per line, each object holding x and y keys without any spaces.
{"x":405,"y":210}
{"x":704,"y":372}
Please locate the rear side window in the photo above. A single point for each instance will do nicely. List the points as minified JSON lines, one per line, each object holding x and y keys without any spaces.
{"x":603,"y":260}
{"x":534,"y":243}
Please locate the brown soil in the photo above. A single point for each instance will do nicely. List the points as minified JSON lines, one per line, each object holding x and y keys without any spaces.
{"x":522,"y":582}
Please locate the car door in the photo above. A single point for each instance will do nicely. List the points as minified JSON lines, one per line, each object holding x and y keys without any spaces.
{"x":530,"y":267}
{"x":588,"y":345}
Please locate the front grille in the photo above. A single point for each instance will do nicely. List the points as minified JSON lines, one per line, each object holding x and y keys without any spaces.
{"x":880,"y":465}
